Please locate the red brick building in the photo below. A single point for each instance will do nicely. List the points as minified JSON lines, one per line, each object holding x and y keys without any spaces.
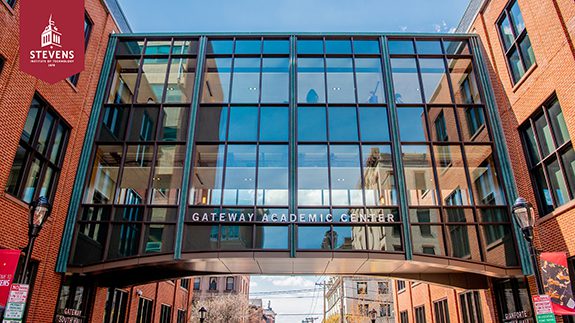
{"x":529,"y":51}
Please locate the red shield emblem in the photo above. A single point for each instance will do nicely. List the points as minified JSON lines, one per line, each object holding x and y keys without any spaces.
{"x":52,"y":38}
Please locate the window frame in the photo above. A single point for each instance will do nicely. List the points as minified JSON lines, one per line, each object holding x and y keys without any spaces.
{"x":473,"y":308}
{"x":441,"y":311}
{"x":233,"y":283}
{"x":147,"y":305}
{"x":87,"y":33}
{"x":165,"y":313}
{"x":420,"y":314}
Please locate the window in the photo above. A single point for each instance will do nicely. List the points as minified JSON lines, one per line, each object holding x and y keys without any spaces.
{"x":229,"y":284}
{"x":213,"y":286}
{"x":441,"y":311}
{"x":551,"y":159}
{"x":420,"y":314}
{"x":39,"y":156}
{"x":361,"y":288}
{"x":166,"y":314}
{"x":2,"y":61}
{"x":197,"y":281}
{"x":363,"y":309}
{"x":515,"y":40}
{"x":403,"y":317}
{"x":400,"y":285}
{"x":385,"y":310}
{"x":145,"y":308}
{"x":116,"y":305}
{"x":181,"y":316}
{"x":513,"y":300}
{"x":185,"y":283}
{"x":382,"y":287}
{"x":11,"y":3}
{"x":470,"y":307}
{"x":87,"y":31}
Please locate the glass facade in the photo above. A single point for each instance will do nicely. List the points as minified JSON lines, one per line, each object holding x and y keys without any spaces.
{"x":295,"y":148}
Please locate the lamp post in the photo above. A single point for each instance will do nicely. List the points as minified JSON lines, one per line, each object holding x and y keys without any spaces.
{"x":39,"y":213}
{"x":202,"y":312}
{"x":523,"y":213}
{"x":373,"y":315}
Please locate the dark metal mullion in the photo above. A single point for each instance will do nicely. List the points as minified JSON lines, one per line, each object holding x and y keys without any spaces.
{"x":327,"y":143}
{"x":258,"y":126}
{"x":139,"y":75}
{"x":167,"y":76}
{"x":543,"y":168}
{"x":292,"y":146}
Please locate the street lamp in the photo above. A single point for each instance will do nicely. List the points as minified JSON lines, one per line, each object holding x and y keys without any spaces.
{"x":523,"y":213}
{"x":373,"y":315}
{"x":203,"y":312}
{"x":39,"y":213}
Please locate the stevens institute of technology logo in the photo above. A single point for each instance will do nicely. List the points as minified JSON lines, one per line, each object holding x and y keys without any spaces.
{"x":52,"y":40}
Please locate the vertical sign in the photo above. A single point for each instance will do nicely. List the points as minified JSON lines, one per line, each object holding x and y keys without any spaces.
{"x":8,"y":263}
{"x":543,"y":309}
{"x":557,"y":283}
{"x":16,"y":303}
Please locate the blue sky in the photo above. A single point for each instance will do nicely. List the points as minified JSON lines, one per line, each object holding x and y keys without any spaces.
{"x":293,"y":15}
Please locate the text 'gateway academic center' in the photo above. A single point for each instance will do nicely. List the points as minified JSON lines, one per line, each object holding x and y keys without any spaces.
{"x":367,"y":154}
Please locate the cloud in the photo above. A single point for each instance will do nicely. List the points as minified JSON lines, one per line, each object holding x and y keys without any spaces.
{"x":293,"y":281}
{"x":442,"y":27}
{"x":253,"y":284}
{"x":403,"y":28}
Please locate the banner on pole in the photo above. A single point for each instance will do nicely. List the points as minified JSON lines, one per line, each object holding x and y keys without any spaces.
{"x":8,"y":263}
{"x":557,"y":283}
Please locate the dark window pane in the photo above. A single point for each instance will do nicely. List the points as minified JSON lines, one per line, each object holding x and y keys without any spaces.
{"x":167,"y":180}
{"x":47,"y":182}
{"x":501,"y":252}
{"x":90,"y":243}
{"x":463,"y":81}
{"x":557,"y":181}
{"x":248,"y":46}
{"x":143,"y":127}
{"x":401,"y":47}
{"x":342,"y":124}
{"x":412,"y":124}
{"x":366,"y":47}
{"x":236,"y":237}
{"x":31,"y":120}
{"x":558,"y":123}
{"x":181,"y":80}
{"x":340,"y":83}
{"x":162,"y":215}
{"x":527,"y":52}
{"x":201,"y":237}
{"x":456,"y":47}
{"x":338,"y":46}
{"x":216,"y":87}
{"x":429,"y":47}
{"x":274,"y":124}
{"x":517,"y":18}
{"x":314,"y":238}
{"x":313,"y":183}
{"x":405,"y":80}
{"x":45,"y":132}
{"x":133,"y":187}
{"x":271,"y":237}
{"x":311,"y":80}
{"x":310,"y":47}
{"x":212,"y":123}
{"x":240,"y":180}
{"x":544,"y":135}
{"x":152,"y":80}
{"x":568,"y":159}
{"x":272,"y":175}
{"x":31,"y":182}
{"x":129,"y":47}
{"x":104,"y":175}
{"x":517,"y":69}
{"x":462,"y":242}
{"x":311,"y":124}
{"x":123,"y":83}
{"x":533,"y":152}
{"x":543,"y":192}
{"x":243,"y":124}
{"x":16,"y":171}
{"x":275,"y":80}
{"x":373,"y":124}
{"x":369,"y":80}
{"x":246,"y":80}
{"x":220,"y":47}
{"x":124,"y":240}
{"x":174,"y":124}
{"x":159,"y":238}
{"x":114,"y":120}
{"x":58,"y":143}
{"x":419,"y":175}
{"x":378,"y":175}
{"x":345,"y":175}
{"x":276,"y":46}
{"x":506,"y":33}
{"x":434,"y":80}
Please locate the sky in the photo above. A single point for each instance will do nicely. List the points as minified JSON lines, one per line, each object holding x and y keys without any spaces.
{"x":293,"y":16}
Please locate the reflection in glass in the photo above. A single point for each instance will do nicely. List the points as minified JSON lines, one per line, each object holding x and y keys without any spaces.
{"x":159,"y":238}
{"x":212,"y":123}
{"x":236,"y":237}
{"x":429,"y":241}
{"x":174,"y":124}
{"x":113,"y":127}
{"x":208,"y":175}
{"x":405,"y":80}
{"x":246,"y":81}
{"x":422,"y":216}
{"x":181,"y":80}
{"x":248,"y":46}
{"x":501,"y":252}
{"x":558,"y":123}
{"x":462,"y":242}
{"x":124,"y":240}
{"x":568,"y":159}
{"x":276,"y":46}
{"x":456,"y":47}
{"x":45,"y":132}
{"x":340,"y":84}
{"x":428,"y":47}
{"x":133,"y":187}
{"x":349,"y":238}
{"x":152,"y":80}
{"x":463,"y":81}
{"x":411,"y":124}
{"x":123,"y":85}
{"x":472,"y":123}
{"x":384,"y":238}
{"x":313,"y":182}
{"x":366,"y":47}
{"x":167,"y":180}
{"x":310,"y":46}
{"x":90,"y":243}
{"x":311,"y":124}
{"x":240,"y":179}
{"x":314,"y":238}
{"x":272,"y":175}
{"x":158,"y":47}
{"x":557,"y":181}
{"x":274,"y":124}
{"x":544,"y":135}
{"x":517,"y":18}
{"x":217,"y":80}
{"x":275,"y":80}
{"x":31,"y":181}
{"x":345,"y":175}
{"x":401,"y":47}
{"x":31,"y":120}
{"x":185,"y":47}
{"x":373,"y":124}
{"x":310,"y":80}
{"x":104,"y":176}
{"x":527,"y":52}
{"x":220,"y":47}
{"x":272,"y":237}
{"x":129,"y":47}
{"x":342,"y":124}
{"x":506,"y":33}
{"x":338,"y":46}
{"x":434,"y":79}
{"x":484,"y":178}
{"x":243,"y":124}
{"x":517,"y":69}
{"x":543,"y":192}
{"x":143,"y":124}
{"x":47,"y":182}
{"x":369,"y":80}
{"x":162,"y":215}
{"x":200,"y":237}
{"x":378,"y":175}
{"x":442,"y":124}
{"x":419,"y":175}
{"x":451,"y":173}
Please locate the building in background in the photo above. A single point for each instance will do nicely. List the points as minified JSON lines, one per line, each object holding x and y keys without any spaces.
{"x":354,"y":297}
{"x":214,"y":286}
{"x":260,"y":313}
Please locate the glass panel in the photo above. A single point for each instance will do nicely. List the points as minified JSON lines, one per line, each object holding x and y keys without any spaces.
{"x":373,"y":124}
{"x":424,"y":216}
{"x":456,"y":47}
{"x":243,"y":124}
{"x":248,"y":46}
{"x":429,"y":47}
{"x":174,"y":124}
{"x":484,"y":178}
{"x":181,"y":80}
{"x":123,"y":83}
{"x":443,"y":126}
{"x":429,"y":240}
{"x":311,"y":124}
{"x":568,"y":159}
{"x":246,"y":81}
{"x":31,"y":120}
{"x":274,"y":124}
{"x":16,"y":171}
{"x":162,"y":215}
{"x":129,"y":214}
{"x":272,"y":175}
{"x":236,"y":237}
{"x":419,"y":175}
{"x":517,"y":69}
{"x":314,"y":238}
{"x":517,"y":18}
{"x":90,"y":243}
{"x":313,"y":183}
{"x":167,"y":181}
{"x":506,"y":33}
{"x":212,"y":123}
{"x":185,"y":47}
{"x":501,"y":252}
{"x":201,"y":237}
{"x":405,"y":80}
{"x":384,"y":238}
{"x":240,"y":179}
{"x":342,"y":124}
{"x":310,"y":46}
{"x":45,"y":132}
{"x":159,"y":238}
{"x":310,"y":80}
{"x":143,"y":124}
{"x":401,"y":47}
{"x":136,"y":173}
{"x":159,"y":47}
{"x":271,"y":237}
{"x":338,"y":46}
{"x":129,"y":47}
{"x":276,"y":46}
{"x":472,"y":123}
{"x":463,"y":81}
{"x":208,"y":175}
{"x":411,"y":124}
{"x":114,"y":120}
{"x":124,"y":240}
{"x":533,"y":152}
{"x":275,"y":80}
{"x":152,"y":80}
{"x":104,"y":176}
{"x":220,"y":47}
{"x":378,"y":175}
{"x":349,"y":238}
{"x":557,"y":181}
{"x":217,"y":80}
{"x":47,"y":182}
{"x":346,"y":186}
{"x":545,"y":199}
{"x":451,"y":173}
{"x":369,"y":80}
{"x":527,"y":52}
{"x":340,"y":84}
{"x":27,"y":194}
{"x":544,"y":135}
{"x":434,"y":80}
{"x":58,"y":143}
{"x":558,"y":123}
{"x":462,"y":242}
{"x":366,"y":47}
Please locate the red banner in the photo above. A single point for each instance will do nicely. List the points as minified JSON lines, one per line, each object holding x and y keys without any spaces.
{"x":557,"y":283}
{"x":52,"y":38}
{"x":8,"y":264}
